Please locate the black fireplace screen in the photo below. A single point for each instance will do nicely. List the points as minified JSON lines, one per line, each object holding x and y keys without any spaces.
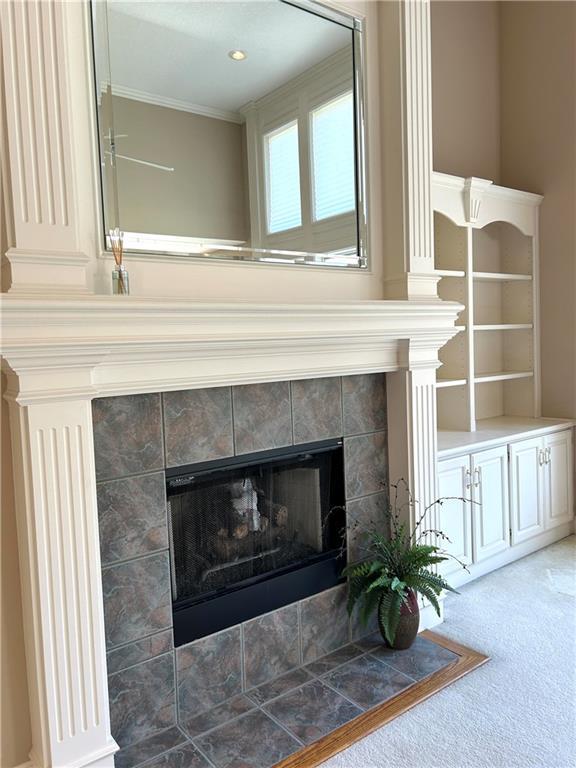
{"x":243,"y":520}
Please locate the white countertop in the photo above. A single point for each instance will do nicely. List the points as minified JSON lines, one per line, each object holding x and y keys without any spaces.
{"x":491,"y":432}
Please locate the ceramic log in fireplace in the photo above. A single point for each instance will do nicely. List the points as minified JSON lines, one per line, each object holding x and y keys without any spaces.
{"x":254,"y":533}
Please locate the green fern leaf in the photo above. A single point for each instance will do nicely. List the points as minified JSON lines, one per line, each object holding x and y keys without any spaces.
{"x":430,"y":595}
{"x":389,"y":614}
{"x":436,"y":582}
{"x":368,"y":606}
{"x":382,"y":582}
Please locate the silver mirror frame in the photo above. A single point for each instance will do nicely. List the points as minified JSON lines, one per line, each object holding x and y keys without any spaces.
{"x":356,"y":25}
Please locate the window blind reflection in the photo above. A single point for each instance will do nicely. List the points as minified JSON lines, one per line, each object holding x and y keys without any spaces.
{"x":283,"y":178}
{"x":333,"y":137}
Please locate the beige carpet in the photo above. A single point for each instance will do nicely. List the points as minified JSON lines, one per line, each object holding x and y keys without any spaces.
{"x":519,"y":709}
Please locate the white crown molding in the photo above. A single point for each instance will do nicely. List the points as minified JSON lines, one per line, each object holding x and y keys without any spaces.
{"x":46,"y":272}
{"x":179,"y":104}
{"x":106,"y":309}
{"x":478,"y":202}
{"x":53,"y":258}
{"x":329,"y":76}
{"x":490,"y":189}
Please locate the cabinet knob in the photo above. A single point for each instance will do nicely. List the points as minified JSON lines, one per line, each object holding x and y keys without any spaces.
{"x":468,"y":479}
{"x":478,"y":473}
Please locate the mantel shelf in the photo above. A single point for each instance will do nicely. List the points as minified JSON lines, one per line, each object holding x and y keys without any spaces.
{"x":130,"y":345}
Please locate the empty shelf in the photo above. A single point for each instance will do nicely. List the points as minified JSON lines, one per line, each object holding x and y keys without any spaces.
{"x":450,"y":273}
{"x":441,"y":383}
{"x":503,"y":376}
{"x":504,"y":327}
{"x":503,"y":276}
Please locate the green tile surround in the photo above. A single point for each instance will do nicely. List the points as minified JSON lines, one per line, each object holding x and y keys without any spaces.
{"x":135,"y":438}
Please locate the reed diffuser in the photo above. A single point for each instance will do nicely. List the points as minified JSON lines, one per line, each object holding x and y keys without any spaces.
{"x":120,"y":282}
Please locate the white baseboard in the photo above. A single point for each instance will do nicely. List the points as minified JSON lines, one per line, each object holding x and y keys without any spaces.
{"x":429,"y":618}
{"x":510,"y":555}
{"x":102,"y":758}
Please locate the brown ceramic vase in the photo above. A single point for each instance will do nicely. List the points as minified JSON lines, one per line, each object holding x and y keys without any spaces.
{"x":408,"y":624}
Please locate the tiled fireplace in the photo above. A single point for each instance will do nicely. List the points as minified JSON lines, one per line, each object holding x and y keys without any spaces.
{"x":80,"y":642}
{"x":154,"y":686}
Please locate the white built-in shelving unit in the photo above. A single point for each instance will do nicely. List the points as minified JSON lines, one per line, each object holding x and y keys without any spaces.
{"x":494,"y":448}
{"x":486,"y":251}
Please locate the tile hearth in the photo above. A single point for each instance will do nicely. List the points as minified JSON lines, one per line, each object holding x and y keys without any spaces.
{"x":268,"y":723}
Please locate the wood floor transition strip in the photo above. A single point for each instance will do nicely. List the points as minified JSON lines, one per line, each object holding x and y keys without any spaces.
{"x":340,"y":739}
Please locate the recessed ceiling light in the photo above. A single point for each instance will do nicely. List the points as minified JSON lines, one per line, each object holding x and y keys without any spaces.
{"x":237,"y":55}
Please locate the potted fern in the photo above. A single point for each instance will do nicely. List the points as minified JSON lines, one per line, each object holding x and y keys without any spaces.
{"x":397,"y":569}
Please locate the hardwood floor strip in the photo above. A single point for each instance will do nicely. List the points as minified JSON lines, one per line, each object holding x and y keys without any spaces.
{"x":332,"y":743}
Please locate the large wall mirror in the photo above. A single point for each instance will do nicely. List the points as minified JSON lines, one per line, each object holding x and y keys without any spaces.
{"x":232,"y":130}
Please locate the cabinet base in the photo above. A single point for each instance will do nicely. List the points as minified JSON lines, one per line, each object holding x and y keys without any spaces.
{"x":510,"y":555}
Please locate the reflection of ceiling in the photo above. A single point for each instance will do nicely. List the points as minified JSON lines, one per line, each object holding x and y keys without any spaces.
{"x":178,"y":51}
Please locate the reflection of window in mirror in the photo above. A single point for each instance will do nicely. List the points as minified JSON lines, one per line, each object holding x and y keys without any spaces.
{"x":229,"y":129}
{"x":333,"y":191}
{"x":282,"y":169}
{"x":301,"y":156}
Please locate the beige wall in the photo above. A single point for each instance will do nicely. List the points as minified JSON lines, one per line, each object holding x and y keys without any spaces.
{"x":538,"y":51}
{"x":205,"y":195}
{"x":465,"y":88}
{"x":504,"y":108}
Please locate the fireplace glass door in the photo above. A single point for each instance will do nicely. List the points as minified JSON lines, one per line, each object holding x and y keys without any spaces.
{"x":238,"y":522}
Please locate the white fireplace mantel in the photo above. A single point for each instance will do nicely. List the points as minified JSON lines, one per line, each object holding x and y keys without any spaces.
{"x":60,"y":353}
{"x":115,"y":345}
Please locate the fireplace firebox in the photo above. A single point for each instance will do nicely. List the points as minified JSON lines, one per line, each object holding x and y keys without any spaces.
{"x":252,"y":533}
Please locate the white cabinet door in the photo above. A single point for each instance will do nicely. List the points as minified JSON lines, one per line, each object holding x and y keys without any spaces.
{"x":490,"y":512}
{"x":527,"y":495}
{"x":558,"y":478}
{"x":454,"y":515}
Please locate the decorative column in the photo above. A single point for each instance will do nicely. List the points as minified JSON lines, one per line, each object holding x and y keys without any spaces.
{"x":52,"y":198}
{"x":412,"y":423}
{"x":407,"y":149}
{"x":60,"y":564}
{"x":412,"y":432}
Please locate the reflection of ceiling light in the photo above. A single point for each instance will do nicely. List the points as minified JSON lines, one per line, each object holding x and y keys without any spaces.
{"x":237,"y":55}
